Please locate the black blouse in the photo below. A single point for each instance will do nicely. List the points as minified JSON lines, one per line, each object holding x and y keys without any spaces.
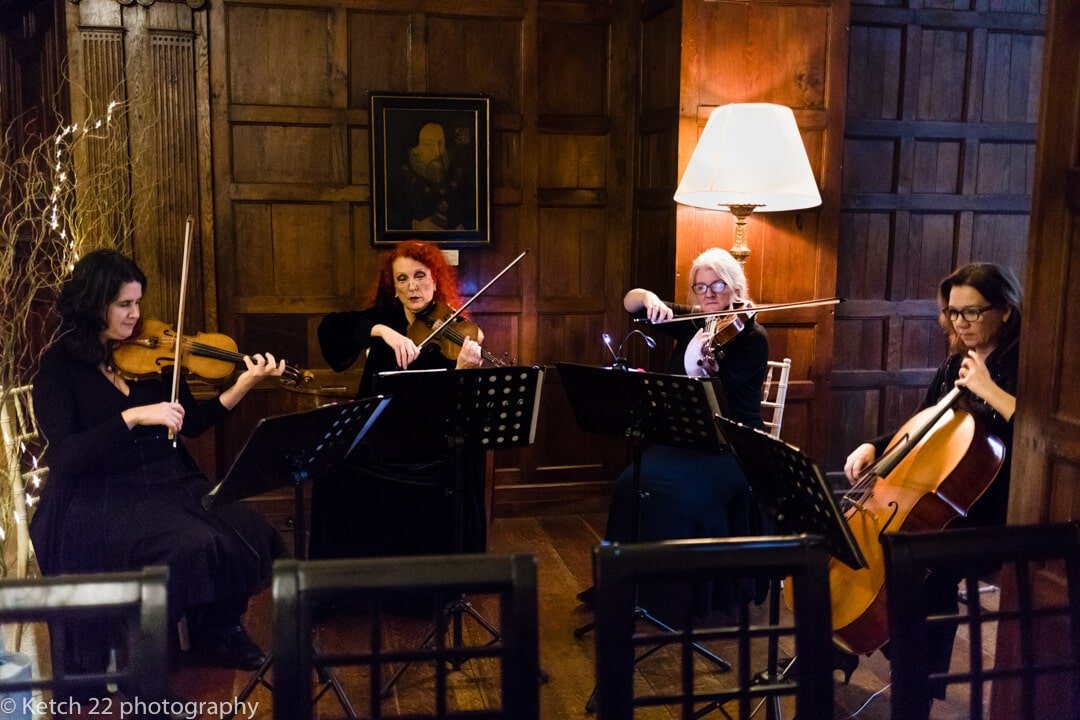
{"x":742,"y":366}
{"x":1003,"y":365}
{"x":345,"y":336}
{"x":79,"y":411}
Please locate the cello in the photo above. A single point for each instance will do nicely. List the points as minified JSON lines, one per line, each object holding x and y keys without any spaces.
{"x":937,"y":465}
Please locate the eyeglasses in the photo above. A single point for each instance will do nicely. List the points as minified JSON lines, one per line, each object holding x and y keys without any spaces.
{"x":970,"y":314}
{"x":717,"y":287}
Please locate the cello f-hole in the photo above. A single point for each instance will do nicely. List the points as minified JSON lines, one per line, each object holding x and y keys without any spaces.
{"x":885,"y":526}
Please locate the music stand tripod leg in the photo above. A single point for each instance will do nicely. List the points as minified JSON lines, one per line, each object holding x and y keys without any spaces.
{"x":700,"y":649}
{"x":331,"y":682}
{"x":773,"y":674}
{"x":638,"y":497}
{"x":462,"y":605}
{"x":259,"y":678}
{"x":453,"y":611}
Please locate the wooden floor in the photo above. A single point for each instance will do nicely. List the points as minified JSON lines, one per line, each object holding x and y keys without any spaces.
{"x":562,"y":545}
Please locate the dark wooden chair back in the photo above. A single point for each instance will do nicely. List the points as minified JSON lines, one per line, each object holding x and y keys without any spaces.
{"x":970,"y":553}
{"x":129,"y":610}
{"x":618,"y":569}
{"x":303,"y":590}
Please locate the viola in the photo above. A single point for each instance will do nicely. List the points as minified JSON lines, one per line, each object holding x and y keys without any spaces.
{"x":721,"y":330}
{"x":937,"y":466}
{"x":453,"y":330}
{"x":209,"y":357}
{"x":444,"y":321}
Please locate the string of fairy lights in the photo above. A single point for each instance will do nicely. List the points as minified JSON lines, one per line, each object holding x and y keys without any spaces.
{"x":40,"y":242}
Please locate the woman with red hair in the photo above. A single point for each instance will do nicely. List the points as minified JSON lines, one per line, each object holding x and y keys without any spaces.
{"x":412,"y":278}
{"x":386,"y":501}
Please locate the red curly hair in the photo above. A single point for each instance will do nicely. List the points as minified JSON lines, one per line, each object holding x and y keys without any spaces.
{"x":446,"y":284}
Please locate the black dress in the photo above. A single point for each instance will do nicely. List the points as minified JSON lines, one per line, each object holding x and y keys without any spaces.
{"x":119,"y":499}
{"x":699,"y":493}
{"x":392,"y":495}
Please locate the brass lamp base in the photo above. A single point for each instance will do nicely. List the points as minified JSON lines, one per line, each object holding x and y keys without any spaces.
{"x":739,"y":249}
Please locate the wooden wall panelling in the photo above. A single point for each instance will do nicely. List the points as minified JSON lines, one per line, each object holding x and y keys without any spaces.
{"x":1046,"y":446}
{"x":96,"y":70}
{"x":290,"y":128}
{"x":653,"y":245}
{"x":942,"y":105}
{"x":33,"y":47}
{"x":583,"y":59}
{"x":794,"y":55}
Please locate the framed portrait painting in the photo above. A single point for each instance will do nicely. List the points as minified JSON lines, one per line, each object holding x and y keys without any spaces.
{"x":430,"y":169}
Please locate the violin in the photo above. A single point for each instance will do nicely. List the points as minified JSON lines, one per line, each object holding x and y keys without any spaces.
{"x":209,"y":357}
{"x":440,"y":325}
{"x":453,"y":331}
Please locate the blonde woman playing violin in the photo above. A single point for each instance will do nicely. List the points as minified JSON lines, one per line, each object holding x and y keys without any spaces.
{"x":717,"y":282}
{"x":120,"y":495}
{"x":699,"y":493}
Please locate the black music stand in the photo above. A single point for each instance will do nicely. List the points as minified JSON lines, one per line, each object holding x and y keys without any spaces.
{"x":654,"y":408}
{"x":793,"y":493}
{"x":474,"y":409}
{"x":287,"y":450}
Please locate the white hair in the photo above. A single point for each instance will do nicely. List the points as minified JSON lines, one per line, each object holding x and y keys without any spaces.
{"x":727,"y":268}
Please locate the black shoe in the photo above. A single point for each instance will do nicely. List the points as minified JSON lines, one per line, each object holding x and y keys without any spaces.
{"x":845,"y":662}
{"x":232,"y":649}
{"x":587,"y":596}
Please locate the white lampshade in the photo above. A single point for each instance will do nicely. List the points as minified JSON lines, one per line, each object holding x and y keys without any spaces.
{"x":749,"y":154}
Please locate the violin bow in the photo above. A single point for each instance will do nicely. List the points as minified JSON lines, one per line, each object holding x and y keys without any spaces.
{"x":740,"y":311}
{"x":178,"y":350}
{"x":453,"y":315}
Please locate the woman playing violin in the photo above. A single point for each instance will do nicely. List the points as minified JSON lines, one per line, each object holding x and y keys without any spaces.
{"x":717,"y":283}
{"x":120,"y":495}
{"x":980,"y":314}
{"x":413,"y":277}
{"x":698,"y":493}
{"x":389,"y":500}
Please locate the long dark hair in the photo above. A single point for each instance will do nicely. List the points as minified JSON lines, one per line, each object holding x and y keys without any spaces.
{"x":1001,"y":289}
{"x":85,"y":297}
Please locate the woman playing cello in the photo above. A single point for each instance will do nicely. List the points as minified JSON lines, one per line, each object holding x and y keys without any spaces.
{"x":120,"y":495}
{"x":384,"y":503}
{"x":980,"y":313}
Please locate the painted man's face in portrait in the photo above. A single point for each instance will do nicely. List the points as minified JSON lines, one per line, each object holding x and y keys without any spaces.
{"x":428,"y":159}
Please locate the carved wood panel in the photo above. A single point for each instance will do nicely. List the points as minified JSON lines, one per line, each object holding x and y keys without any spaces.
{"x":150,"y":59}
{"x":938,"y":161}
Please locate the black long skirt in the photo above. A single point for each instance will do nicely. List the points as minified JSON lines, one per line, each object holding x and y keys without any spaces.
{"x":376,"y":507}
{"x":690,"y":494}
{"x":155,"y":516}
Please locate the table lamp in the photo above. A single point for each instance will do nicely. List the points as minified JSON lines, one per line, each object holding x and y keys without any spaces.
{"x":749,"y":157}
